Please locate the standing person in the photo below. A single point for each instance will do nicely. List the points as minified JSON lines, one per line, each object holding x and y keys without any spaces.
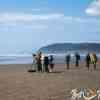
{"x":46,"y":63}
{"x":34,"y":64}
{"x":94,"y":60}
{"x":68,"y":57}
{"x":77,"y":56}
{"x":39,"y":64}
{"x":51,"y":63}
{"x":42,"y":62}
{"x":88,"y":61}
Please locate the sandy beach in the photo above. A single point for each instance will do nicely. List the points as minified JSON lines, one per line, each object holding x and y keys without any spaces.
{"x":18,"y":84}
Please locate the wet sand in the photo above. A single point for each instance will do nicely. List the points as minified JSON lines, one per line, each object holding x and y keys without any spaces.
{"x":18,"y":84}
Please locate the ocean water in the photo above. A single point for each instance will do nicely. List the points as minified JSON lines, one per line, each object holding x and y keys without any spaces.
{"x":27,"y":59}
{"x":15,"y":59}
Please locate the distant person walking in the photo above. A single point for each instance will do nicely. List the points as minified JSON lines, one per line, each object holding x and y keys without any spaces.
{"x":77,"y":59}
{"x":51,"y":63}
{"x":68,"y":58}
{"x":87,"y":59}
{"x":46,"y":63}
{"x":94,"y":60}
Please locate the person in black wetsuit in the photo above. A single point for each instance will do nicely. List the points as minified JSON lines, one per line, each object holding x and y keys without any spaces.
{"x":68,"y":57}
{"x":88,"y":59}
{"x":46,"y":63}
{"x":77,"y":56}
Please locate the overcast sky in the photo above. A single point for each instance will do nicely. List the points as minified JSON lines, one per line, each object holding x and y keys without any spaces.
{"x":26,"y":25}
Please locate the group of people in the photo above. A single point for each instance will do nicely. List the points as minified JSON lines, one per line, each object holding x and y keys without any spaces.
{"x":68,"y":60}
{"x":89,"y":59}
{"x":42,"y":63}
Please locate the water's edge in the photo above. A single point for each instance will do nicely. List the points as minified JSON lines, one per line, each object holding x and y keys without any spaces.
{"x":58,"y":59}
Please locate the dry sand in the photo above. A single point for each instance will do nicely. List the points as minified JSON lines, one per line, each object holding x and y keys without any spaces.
{"x":17,"y":84}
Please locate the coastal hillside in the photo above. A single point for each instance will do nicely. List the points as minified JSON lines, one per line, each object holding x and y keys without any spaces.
{"x":65,"y":47}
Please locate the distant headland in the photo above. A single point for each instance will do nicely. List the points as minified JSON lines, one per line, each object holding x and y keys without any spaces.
{"x":72,"y":47}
